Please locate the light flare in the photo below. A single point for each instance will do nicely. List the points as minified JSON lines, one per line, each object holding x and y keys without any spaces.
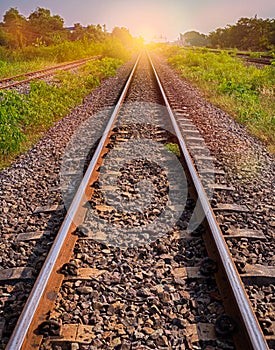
{"x":147,"y":33}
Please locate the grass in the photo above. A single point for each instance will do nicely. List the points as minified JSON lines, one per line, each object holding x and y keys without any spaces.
{"x":13,"y":62}
{"x":23,"y":118}
{"x":174,"y":148}
{"x":8,"y":69}
{"x":246,"y":92}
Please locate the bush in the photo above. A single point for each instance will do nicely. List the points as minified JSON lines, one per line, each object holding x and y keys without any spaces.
{"x":245,"y":91}
{"x":22,"y":116}
{"x":33,"y":58}
{"x":13,"y":113}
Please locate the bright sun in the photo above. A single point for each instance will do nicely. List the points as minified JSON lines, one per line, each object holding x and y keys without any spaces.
{"x":147,"y":33}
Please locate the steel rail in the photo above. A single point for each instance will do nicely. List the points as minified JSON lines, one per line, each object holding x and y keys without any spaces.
{"x":46,"y":71}
{"x":41,"y":70}
{"x":263,"y":59}
{"x":253,"y":329}
{"x":25,"y":319}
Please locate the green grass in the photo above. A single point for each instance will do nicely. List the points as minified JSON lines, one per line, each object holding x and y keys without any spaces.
{"x":246,"y":92}
{"x":13,"y":62}
{"x":8,"y":69}
{"x":174,"y":148}
{"x":23,"y":118}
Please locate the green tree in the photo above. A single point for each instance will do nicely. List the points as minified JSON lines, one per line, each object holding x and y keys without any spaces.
{"x":3,"y":36}
{"x":247,"y":34}
{"x":194,"y":38}
{"x":123,"y":35}
{"x":44,"y":27}
{"x":96,"y":33}
{"x":77,"y":33}
{"x":14,"y":26}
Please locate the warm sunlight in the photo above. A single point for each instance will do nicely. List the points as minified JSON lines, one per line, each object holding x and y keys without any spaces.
{"x":146,"y":33}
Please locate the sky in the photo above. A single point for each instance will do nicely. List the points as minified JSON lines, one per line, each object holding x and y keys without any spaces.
{"x":149,"y":18}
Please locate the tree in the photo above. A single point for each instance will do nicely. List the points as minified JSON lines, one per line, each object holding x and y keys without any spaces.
{"x":77,"y":32}
{"x":123,"y":35}
{"x":194,"y":38}
{"x":44,"y":27}
{"x":95,"y":33}
{"x":14,"y":25}
{"x":3,"y":37}
{"x":247,"y":34}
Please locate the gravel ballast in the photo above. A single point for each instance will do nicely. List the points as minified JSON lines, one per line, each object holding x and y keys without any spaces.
{"x":33,"y":181}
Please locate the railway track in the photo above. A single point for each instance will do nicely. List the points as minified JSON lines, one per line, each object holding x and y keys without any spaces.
{"x":132,"y":265}
{"x":20,"y":79}
{"x":263,"y":60}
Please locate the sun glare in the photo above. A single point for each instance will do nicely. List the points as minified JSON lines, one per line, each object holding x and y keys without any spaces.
{"x":147,"y":34}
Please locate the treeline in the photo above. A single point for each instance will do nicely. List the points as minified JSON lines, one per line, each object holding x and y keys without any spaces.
{"x":41,"y":28}
{"x":255,"y":34}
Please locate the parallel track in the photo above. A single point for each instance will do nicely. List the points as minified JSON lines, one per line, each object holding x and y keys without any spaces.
{"x":47,"y":286}
{"x":263,"y":60}
{"x":20,"y":79}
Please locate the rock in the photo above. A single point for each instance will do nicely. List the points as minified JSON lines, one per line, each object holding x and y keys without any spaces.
{"x":162,"y":341}
{"x":148,"y":330}
{"x":115,"y":342}
{"x":85,"y":290}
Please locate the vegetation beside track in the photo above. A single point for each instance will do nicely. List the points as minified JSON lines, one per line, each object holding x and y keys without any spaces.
{"x":246,"y":92}
{"x":248,"y":34}
{"x":41,"y":40}
{"x":24,"y":117}
{"x":20,"y":61}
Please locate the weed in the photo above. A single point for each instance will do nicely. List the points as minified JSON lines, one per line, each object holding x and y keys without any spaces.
{"x":33,"y":58}
{"x":23,"y":117}
{"x":174,"y":148}
{"x":246,"y":92}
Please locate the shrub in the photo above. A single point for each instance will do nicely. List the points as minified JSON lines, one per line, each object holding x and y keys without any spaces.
{"x":245,"y":91}
{"x":22,"y":116}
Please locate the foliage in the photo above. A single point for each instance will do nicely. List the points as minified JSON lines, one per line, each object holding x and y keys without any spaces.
{"x":124,"y":36}
{"x":41,"y":40}
{"x":194,"y":38}
{"x":93,"y":72}
{"x":113,"y":47}
{"x":12,"y":117}
{"x":174,"y":148}
{"x":8,"y":69}
{"x":246,"y":91}
{"x":22,"y":116}
{"x":92,"y":33}
{"x":31,"y":58}
{"x":43,"y":29}
{"x":254,"y":34}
